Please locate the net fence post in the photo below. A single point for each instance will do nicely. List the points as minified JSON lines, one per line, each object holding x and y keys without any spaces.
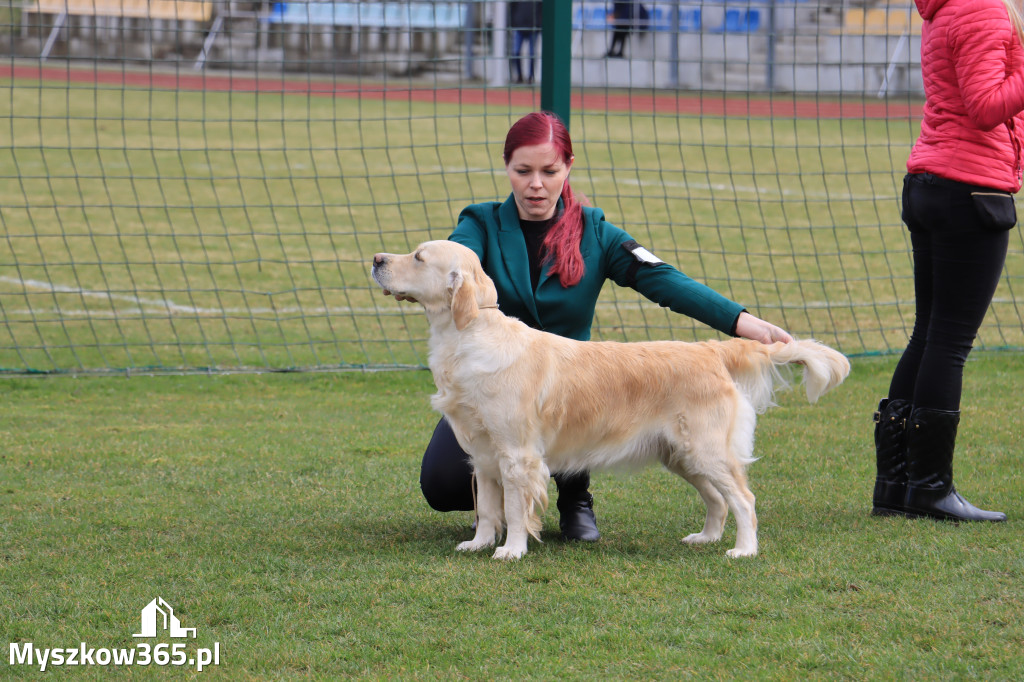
{"x":556,"y":58}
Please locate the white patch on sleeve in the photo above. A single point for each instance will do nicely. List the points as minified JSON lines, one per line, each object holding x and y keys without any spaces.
{"x":645,"y":256}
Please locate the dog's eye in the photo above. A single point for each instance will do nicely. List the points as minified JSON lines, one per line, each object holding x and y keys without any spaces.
{"x":418,"y":256}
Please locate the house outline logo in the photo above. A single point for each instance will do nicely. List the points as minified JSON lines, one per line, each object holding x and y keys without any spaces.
{"x":158,"y":612}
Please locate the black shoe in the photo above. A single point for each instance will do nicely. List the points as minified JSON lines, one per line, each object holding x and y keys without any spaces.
{"x":931,"y":438}
{"x":576,"y":508}
{"x":890,"y":457}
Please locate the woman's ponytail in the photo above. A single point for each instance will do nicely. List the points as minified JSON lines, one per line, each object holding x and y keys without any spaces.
{"x":562,"y":243}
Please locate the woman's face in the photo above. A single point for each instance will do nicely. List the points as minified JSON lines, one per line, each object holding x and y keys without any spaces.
{"x":537,"y":173}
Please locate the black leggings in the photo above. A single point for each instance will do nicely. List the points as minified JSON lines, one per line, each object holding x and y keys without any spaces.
{"x":960,"y":239}
{"x":446,"y":476}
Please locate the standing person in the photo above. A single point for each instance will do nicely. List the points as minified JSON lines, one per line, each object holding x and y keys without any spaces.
{"x":549,"y":256}
{"x":627,"y":16}
{"x":525,"y":22}
{"x":958,"y":205}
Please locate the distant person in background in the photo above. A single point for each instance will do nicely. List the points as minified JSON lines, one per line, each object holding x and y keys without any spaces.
{"x":958,"y":205}
{"x":525,"y":22}
{"x":626,"y":17}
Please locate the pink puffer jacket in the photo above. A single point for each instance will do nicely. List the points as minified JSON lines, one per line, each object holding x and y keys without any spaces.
{"x":972,"y":63}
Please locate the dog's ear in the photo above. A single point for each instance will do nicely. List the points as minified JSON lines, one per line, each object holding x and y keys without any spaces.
{"x":464,"y":306}
{"x":487,"y":294}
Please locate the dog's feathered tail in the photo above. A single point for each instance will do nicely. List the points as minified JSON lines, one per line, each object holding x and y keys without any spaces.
{"x":755,"y":367}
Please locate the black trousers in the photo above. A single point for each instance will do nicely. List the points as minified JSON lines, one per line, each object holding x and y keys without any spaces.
{"x":446,"y":476}
{"x":619,"y":39}
{"x":960,"y":235}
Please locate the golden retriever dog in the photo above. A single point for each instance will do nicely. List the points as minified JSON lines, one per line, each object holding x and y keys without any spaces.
{"x":523,"y":402}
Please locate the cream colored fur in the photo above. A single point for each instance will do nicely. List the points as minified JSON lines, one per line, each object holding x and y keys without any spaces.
{"x":524,"y":403}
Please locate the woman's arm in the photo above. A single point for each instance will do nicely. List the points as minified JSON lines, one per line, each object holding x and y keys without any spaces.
{"x":982,"y":41}
{"x":631,"y":265}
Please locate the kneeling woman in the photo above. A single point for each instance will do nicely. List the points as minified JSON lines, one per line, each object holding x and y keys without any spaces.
{"x":549,"y":256}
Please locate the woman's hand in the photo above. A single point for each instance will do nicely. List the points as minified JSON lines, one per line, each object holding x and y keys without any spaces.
{"x":756,"y":329}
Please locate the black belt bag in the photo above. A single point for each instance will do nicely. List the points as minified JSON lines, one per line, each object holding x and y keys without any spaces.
{"x":997,"y":210}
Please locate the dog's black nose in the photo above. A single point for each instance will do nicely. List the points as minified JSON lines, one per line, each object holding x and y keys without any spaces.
{"x":378,"y":260}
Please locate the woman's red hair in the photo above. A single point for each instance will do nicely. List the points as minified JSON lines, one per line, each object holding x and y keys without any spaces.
{"x":562,"y":242}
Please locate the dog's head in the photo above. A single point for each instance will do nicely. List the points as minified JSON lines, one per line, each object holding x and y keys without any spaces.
{"x":445,"y":277}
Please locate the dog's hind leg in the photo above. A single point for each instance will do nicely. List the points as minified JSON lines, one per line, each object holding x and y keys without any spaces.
{"x":733,"y":485}
{"x":741,"y":501}
{"x":713,"y":460}
{"x":489,"y":512}
{"x":724,"y":485}
{"x":717,"y":509}
{"x":723,"y":456}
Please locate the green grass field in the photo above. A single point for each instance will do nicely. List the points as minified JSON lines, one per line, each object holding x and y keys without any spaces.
{"x":151,"y":231}
{"x":280,"y":516}
{"x":165,"y":230}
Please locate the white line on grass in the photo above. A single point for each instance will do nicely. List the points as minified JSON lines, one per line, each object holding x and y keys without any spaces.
{"x":168,"y":306}
{"x":147,"y":304}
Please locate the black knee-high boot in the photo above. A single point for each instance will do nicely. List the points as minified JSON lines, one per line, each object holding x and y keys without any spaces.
{"x":931,"y":438}
{"x":576,"y":507}
{"x":890,"y":457}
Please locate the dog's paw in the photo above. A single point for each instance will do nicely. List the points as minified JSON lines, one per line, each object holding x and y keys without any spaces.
{"x":506,"y":553}
{"x":738,"y":552}
{"x":473,"y":545}
{"x":701,"y":538}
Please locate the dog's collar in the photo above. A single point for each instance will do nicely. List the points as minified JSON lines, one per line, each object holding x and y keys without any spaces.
{"x":484,"y":307}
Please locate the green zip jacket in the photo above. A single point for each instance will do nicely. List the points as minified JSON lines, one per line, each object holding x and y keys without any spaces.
{"x":492,"y":230}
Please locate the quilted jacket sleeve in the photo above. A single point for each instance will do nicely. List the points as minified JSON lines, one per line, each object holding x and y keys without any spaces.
{"x":989,"y":62}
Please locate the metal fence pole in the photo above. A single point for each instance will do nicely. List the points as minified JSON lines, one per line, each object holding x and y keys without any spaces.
{"x":500,"y":51}
{"x":556,"y":58}
{"x":468,"y":36}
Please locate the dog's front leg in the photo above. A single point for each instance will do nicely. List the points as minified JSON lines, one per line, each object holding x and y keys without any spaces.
{"x":524,"y":479}
{"x":515,"y":539}
{"x":489,"y":515}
